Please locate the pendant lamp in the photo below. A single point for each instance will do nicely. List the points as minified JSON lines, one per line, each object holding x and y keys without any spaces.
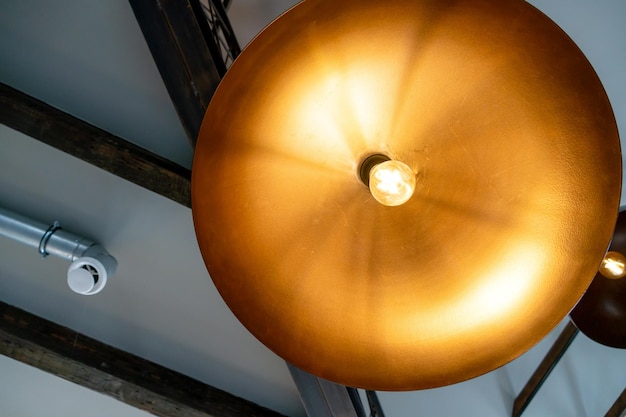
{"x":405,"y":194}
{"x":601,"y":312}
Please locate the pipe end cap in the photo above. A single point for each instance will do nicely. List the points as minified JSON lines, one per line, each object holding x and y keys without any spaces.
{"x":80,"y":280}
{"x":87,"y":276}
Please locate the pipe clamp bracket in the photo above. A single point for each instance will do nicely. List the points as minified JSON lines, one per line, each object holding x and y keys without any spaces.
{"x":46,"y":237}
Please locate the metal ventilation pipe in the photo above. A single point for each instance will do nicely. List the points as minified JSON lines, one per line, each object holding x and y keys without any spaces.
{"x":91,"y":263}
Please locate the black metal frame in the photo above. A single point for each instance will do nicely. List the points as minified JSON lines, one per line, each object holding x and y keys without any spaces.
{"x":551,"y":359}
{"x":218,"y":32}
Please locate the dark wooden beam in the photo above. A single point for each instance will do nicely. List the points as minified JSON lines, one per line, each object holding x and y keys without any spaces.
{"x":93,"y":145}
{"x":322,"y":398}
{"x":173,"y":32}
{"x":376,"y":409}
{"x":110,"y":371}
{"x":548,"y":363}
{"x":618,"y":409}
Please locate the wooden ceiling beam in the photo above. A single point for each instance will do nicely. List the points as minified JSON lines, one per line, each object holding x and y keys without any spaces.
{"x":176,"y":34}
{"x":113,"y":372}
{"x":322,"y":398}
{"x":66,"y":133}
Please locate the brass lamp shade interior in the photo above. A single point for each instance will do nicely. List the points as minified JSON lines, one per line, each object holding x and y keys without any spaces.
{"x":601,"y":312}
{"x":517,"y":163}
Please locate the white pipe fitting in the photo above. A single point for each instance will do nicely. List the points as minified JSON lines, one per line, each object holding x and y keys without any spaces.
{"x":91,"y":263}
{"x":88,"y":274}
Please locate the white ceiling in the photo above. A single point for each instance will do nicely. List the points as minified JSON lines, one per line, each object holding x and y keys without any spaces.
{"x":89,"y":58}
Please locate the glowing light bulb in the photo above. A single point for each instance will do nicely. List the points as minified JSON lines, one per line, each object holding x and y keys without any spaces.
{"x":392,"y":182}
{"x":613,"y":265}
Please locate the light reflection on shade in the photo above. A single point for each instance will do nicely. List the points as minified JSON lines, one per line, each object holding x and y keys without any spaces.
{"x":613,"y":265}
{"x":499,"y":294}
{"x":392,"y":183}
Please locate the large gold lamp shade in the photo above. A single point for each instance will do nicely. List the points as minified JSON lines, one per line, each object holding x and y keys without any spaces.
{"x":513,"y":149}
